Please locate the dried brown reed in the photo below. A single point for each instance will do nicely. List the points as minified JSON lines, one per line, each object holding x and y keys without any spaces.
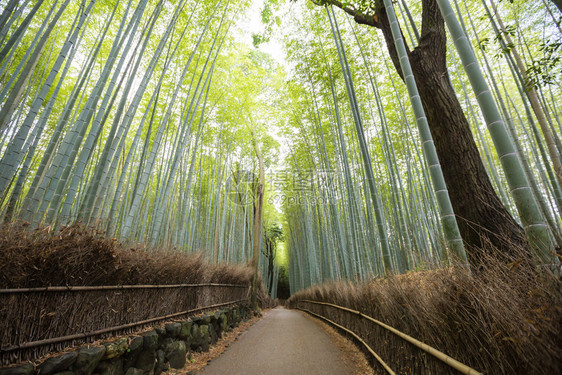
{"x":78,"y":256}
{"x":264,"y":300}
{"x":505,"y":319}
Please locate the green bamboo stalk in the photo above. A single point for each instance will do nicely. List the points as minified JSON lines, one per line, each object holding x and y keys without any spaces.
{"x":448,"y":218}
{"x":533,"y":222}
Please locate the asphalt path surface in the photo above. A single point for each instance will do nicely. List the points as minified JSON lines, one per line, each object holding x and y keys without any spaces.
{"x":283,"y":342}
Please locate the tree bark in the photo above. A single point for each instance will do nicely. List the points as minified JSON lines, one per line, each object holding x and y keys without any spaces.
{"x":482,"y":219}
{"x":270,"y":248}
{"x":257,"y":224}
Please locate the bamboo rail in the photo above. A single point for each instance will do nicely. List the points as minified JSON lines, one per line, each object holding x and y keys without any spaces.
{"x":378,"y":358}
{"x":56,"y":340}
{"x":461,"y":367}
{"x":111,"y":287}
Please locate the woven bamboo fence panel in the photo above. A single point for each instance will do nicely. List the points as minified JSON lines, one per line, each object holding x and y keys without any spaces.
{"x":39,"y":314}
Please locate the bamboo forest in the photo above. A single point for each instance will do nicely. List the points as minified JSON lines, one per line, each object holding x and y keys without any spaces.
{"x":399,"y":160}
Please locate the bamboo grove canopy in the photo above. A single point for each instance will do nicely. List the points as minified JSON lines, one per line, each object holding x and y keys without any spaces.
{"x":396,"y":135}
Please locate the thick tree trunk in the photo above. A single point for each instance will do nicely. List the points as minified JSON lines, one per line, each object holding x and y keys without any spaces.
{"x":257,"y":224}
{"x":482,"y":219}
{"x":270,"y":265}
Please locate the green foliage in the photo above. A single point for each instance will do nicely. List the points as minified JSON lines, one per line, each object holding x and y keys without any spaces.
{"x":274,"y":234}
{"x":198,"y":126}
{"x":544,"y":70}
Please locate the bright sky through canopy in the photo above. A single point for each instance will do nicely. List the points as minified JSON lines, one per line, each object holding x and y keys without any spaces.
{"x":251,"y":23}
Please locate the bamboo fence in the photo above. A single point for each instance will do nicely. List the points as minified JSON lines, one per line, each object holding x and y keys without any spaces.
{"x":36,"y":321}
{"x":447,"y":360}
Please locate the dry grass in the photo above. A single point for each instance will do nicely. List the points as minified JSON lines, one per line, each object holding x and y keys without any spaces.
{"x":77,"y":256}
{"x":505,"y":319}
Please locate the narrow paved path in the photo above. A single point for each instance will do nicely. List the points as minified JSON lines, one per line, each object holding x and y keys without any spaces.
{"x":283,"y":342}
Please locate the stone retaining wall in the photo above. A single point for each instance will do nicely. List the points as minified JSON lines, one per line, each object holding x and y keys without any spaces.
{"x":147,"y":353}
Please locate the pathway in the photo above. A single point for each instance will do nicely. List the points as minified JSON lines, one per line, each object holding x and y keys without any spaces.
{"x":283,"y":342}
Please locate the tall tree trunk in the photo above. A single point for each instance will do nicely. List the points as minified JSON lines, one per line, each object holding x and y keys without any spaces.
{"x":269,"y":250}
{"x":482,"y":218}
{"x":257,"y":223}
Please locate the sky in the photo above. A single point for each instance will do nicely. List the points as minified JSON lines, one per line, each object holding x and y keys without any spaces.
{"x":251,"y":24}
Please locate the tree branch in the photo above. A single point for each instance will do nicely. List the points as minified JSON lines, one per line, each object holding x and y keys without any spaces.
{"x":360,"y":18}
